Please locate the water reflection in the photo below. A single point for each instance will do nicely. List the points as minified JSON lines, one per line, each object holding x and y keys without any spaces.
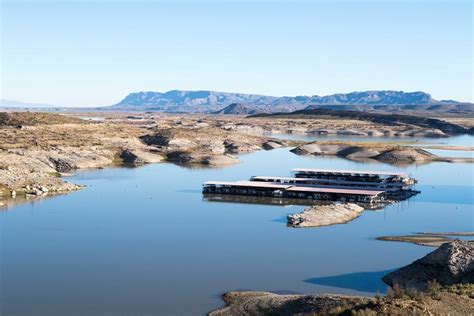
{"x":263,"y":200}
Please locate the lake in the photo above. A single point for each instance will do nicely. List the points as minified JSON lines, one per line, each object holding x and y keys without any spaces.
{"x":144,"y":241}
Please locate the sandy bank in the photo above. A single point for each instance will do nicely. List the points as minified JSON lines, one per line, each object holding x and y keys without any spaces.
{"x":426,"y":239}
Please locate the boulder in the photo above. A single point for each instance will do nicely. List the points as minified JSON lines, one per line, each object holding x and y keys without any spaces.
{"x":155,"y":140}
{"x":307,"y":149}
{"x":140,"y":156}
{"x":451,"y":263}
{"x":127,"y":156}
{"x":220,"y":160}
{"x":61,"y":165}
{"x":179,"y":157}
{"x":271,"y":145}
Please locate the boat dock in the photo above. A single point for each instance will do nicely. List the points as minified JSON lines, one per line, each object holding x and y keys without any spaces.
{"x":257,"y":188}
{"x":324,"y":185}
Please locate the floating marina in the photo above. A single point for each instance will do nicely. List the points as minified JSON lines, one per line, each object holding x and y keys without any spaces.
{"x":322,"y":185}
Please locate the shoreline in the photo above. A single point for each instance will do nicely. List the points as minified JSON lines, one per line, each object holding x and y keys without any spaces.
{"x":427,"y":286}
{"x":37,"y":149}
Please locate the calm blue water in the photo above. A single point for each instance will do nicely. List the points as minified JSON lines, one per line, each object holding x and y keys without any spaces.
{"x":452,"y":153}
{"x":143,"y":240}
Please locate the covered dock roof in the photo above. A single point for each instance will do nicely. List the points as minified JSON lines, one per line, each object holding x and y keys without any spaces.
{"x":333,"y":190}
{"x":352,"y":172}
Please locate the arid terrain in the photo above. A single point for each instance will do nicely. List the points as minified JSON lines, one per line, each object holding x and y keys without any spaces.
{"x":38,"y":150}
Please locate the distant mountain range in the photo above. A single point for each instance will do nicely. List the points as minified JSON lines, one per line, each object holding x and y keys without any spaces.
{"x":17,"y":104}
{"x":204,"y":101}
{"x":239,"y":103}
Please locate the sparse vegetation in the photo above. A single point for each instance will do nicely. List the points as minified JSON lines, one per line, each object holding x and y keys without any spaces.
{"x":19,"y":119}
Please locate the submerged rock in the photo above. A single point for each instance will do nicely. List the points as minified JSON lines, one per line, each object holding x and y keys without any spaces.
{"x":452,"y":263}
{"x":325,"y":215}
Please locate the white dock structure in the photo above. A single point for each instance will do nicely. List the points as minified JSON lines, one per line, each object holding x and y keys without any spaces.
{"x":258,"y":188}
{"x":323,"y":184}
{"x":377,"y":180}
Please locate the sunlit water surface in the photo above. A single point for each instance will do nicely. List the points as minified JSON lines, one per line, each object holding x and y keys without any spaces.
{"x":141,"y":241}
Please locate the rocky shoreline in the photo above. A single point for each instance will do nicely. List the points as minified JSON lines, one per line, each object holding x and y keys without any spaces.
{"x":38,"y":149}
{"x":441,"y":283}
{"x":375,"y":152}
{"x":451,"y":263}
{"x":325,"y":215}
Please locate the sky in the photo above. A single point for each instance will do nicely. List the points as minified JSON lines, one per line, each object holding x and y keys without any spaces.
{"x":90,"y":53}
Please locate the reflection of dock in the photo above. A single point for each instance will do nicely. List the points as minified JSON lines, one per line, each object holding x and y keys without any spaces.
{"x":322,"y":185}
{"x":224,"y":198}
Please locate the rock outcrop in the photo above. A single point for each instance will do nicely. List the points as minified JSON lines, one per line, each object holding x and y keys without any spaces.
{"x":61,"y":165}
{"x":325,"y":215}
{"x":272,"y":145}
{"x":404,"y":155}
{"x":139,"y":156}
{"x":452,"y":263}
{"x":264,"y":303}
{"x":376,"y":152}
{"x":455,"y":300}
{"x":221,"y":160}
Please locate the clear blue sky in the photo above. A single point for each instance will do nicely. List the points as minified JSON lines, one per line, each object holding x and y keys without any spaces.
{"x":81,"y":53}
